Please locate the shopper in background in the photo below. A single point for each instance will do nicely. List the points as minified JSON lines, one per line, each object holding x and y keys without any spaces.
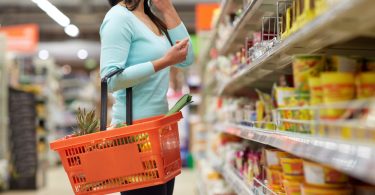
{"x":132,"y":37}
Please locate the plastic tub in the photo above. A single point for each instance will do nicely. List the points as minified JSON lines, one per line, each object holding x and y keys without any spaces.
{"x":366,"y":85}
{"x":337,"y":87}
{"x":304,"y":67}
{"x":292,"y":166}
{"x":316,"y":91}
{"x":310,"y":190}
{"x":323,"y":176}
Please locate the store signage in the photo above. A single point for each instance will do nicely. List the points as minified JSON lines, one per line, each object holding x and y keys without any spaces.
{"x":21,"y":38}
{"x":204,"y":15}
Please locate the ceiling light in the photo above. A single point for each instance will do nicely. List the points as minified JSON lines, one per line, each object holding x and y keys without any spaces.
{"x":82,"y":54}
{"x":72,"y":30}
{"x":53,"y":12}
{"x":43,"y":54}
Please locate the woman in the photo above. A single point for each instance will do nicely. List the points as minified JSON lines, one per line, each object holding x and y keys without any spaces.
{"x":132,"y":37}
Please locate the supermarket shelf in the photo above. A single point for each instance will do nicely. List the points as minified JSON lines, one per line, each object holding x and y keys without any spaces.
{"x":235,"y":181}
{"x":251,"y":17}
{"x":354,"y":158}
{"x":347,"y":20}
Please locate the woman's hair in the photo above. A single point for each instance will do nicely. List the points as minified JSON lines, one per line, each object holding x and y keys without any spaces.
{"x":113,"y":2}
{"x":133,"y":4}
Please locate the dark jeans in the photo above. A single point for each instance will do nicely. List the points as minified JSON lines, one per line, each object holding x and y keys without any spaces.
{"x":164,"y":189}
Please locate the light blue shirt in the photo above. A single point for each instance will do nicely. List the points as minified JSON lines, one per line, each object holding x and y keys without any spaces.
{"x":126,"y":42}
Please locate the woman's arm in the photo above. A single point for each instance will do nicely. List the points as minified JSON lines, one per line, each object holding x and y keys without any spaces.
{"x":176,"y":28}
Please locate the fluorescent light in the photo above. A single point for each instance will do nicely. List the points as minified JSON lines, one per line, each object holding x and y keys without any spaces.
{"x":53,"y":12}
{"x":43,"y":54}
{"x":72,"y":30}
{"x":82,"y":54}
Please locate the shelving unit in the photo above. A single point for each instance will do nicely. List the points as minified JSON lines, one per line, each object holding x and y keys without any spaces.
{"x":354,"y":158}
{"x":344,"y":29}
{"x":250,"y":19}
{"x":346,"y":21}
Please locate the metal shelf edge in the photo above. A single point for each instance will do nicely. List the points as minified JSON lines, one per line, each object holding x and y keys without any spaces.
{"x":354,"y":159}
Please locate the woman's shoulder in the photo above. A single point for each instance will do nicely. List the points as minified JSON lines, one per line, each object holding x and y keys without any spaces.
{"x":118,"y":13}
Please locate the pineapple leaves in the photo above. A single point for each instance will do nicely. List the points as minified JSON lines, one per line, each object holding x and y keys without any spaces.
{"x":87,"y":122}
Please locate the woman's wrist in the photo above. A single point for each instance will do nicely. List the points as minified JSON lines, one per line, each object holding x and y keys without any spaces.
{"x":160,"y":64}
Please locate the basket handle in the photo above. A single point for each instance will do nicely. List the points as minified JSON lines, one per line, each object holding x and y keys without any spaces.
{"x":104,"y":100}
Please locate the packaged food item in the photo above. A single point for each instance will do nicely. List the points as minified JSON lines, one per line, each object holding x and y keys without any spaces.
{"x":316,"y":91}
{"x":304,"y":67}
{"x":260,"y":112}
{"x":310,"y":190}
{"x":337,"y":87}
{"x":292,"y":187}
{"x":323,"y":176}
{"x":274,"y":177}
{"x":342,"y":64}
{"x":364,"y":190}
{"x":294,"y":178}
{"x":273,"y":157}
{"x":365,"y":85}
{"x":281,"y":93}
{"x":292,"y":166}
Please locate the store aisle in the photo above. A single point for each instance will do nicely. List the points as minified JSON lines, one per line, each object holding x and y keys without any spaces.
{"x":58,"y":184}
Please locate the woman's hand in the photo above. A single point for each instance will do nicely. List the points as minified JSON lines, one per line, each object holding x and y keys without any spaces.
{"x":163,"y":5}
{"x":168,"y":12}
{"x":175,"y":55}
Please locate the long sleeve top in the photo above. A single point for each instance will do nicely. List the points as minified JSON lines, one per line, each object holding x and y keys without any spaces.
{"x":126,"y":42}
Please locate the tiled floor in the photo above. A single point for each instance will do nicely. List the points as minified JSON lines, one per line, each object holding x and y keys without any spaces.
{"x":58,"y":184}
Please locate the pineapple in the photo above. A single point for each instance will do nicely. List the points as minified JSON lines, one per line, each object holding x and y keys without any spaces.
{"x":87,"y":122}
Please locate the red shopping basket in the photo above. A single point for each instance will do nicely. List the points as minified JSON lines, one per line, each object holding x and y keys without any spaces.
{"x":144,"y":154}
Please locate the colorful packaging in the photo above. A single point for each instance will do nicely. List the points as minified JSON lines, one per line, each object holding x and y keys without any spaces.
{"x":323,"y":176}
{"x":337,"y":87}
{"x":365,"y":85}
{"x":274,"y":177}
{"x":310,"y":190}
{"x":281,"y":93}
{"x":292,"y":166}
{"x":292,"y":187}
{"x":273,"y":157}
{"x":304,"y":67}
{"x":316,"y":91}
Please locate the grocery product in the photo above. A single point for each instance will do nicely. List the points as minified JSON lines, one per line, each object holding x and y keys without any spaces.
{"x":365,"y":85}
{"x":316,"y":91}
{"x":281,"y":93}
{"x":292,"y":166}
{"x":310,"y":190}
{"x":323,"y":176}
{"x":292,"y":187}
{"x":274,"y":177}
{"x":342,"y":64}
{"x":337,"y":87}
{"x":273,"y":157}
{"x":304,"y":67}
{"x":295,"y":178}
